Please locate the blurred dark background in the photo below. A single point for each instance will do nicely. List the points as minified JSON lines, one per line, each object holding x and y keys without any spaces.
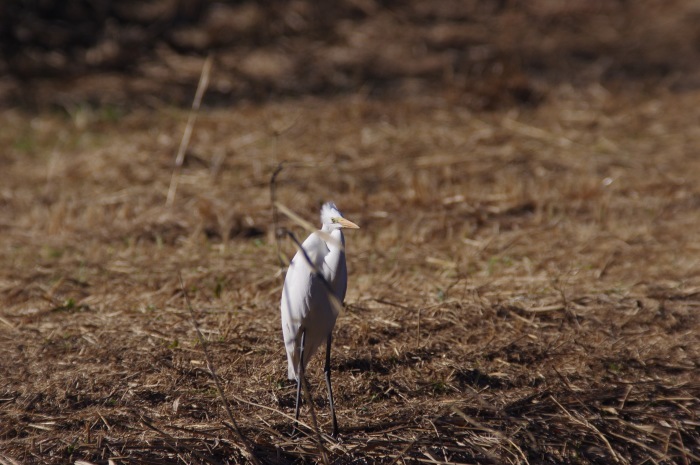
{"x":487,"y":53}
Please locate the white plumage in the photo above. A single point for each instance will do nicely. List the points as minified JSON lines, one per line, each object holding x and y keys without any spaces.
{"x":308,"y":312}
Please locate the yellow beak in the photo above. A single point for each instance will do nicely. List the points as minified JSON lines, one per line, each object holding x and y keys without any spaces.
{"x":347,"y":223}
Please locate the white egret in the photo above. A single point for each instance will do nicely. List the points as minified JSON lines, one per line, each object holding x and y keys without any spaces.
{"x":308,"y":308}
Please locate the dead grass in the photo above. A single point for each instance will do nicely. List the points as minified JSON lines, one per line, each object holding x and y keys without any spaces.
{"x":493,"y":54}
{"x":524,"y":288}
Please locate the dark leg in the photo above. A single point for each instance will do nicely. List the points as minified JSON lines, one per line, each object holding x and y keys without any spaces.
{"x":299,"y":380}
{"x":327,"y":371}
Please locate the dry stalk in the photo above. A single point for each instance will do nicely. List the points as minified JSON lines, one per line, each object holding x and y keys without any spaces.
{"x":314,"y":421}
{"x":5,"y":460}
{"x":682,"y":449}
{"x":587,"y":424}
{"x":639,"y":444}
{"x":4,"y":321}
{"x":403,"y":451}
{"x":272,"y":409}
{"x":247,"y":449}
{"x":307,"y":226}
{"x":496,"y":433}
{"x":275,"y":215}
{"x":187,"y":134}
{"x":172,"y":443}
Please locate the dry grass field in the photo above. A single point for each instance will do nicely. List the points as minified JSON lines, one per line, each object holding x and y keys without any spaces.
{"x":524,"y":288}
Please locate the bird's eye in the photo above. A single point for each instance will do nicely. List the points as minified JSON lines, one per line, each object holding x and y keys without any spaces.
{"x":334,"y":220}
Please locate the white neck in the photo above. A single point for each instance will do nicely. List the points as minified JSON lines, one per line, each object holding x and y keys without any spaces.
{"x":334,"y":262}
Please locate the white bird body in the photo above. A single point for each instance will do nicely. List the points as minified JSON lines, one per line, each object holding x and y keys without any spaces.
{"x":307,"y":307}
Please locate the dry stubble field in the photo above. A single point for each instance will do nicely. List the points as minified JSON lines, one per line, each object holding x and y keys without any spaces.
{"x":524,"y":288}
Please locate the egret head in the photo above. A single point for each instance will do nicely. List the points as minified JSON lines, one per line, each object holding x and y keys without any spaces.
{"x":331,"y":218}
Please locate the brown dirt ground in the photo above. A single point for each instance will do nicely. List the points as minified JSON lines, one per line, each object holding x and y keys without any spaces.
{"x":525,"y":287}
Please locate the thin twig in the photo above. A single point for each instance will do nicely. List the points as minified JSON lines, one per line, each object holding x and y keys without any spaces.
{"x":5,"y":460}
{"x":308,"y":226}
{"x":337,"y":305}
{"x":403,"y":451}
{"x":658,"y":454}
{"x":8,"y":324}
{"x":248,"y":451}
{"x":587,"y":424}
{"x":275,"y":215}
{"x":314,"y":421}
{"x":185,"y":141}
{"x":279,"y":412}
{"x":171,"y":442}
{"x":496,"y":433}
{"x":686,"y":453}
